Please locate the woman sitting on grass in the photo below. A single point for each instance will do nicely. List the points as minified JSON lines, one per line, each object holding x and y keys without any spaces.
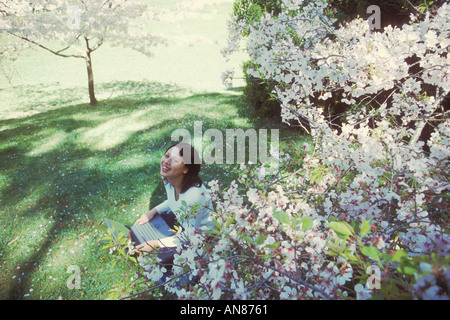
{"x":180,"y":167}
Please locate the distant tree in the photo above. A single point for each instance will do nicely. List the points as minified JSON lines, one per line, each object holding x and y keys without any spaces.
{"x":76,"y":28}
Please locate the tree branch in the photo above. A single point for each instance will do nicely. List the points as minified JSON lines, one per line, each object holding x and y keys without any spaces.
{"x":58,"y":53}
{"x":154,"y":287}
{"x":300,"y":281}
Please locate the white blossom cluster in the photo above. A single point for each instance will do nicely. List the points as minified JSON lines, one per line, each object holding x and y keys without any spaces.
{"x":280,"y":242}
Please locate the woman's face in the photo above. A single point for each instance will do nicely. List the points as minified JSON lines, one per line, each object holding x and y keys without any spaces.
{"x":172,"y":164}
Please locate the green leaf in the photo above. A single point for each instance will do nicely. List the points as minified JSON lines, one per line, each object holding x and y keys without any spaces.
{"x":307,"y":223}
{"x":281,"y":216}
{"x":217,"y":224}
{"x":407,"y":267}
{"x":365,"y":227}
{"x":342,"y":229}
{"x":248,"y":239}
{"x":371,"y":252}
{"x":261,"y":239}
{"x":230,"y":221}
{"x":386,"y":257}
{"x":133,"y":259}
{"x":349,"y":255}
{"x":399,"y":255}
{"x":316,"y":176}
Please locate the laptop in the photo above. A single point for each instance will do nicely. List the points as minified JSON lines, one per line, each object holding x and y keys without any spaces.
{"x":156,"y":229}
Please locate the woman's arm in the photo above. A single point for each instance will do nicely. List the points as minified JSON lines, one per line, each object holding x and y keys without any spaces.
{"x":146,"y":217}
{"x":149,"y":215}
{"x":193,"y":197}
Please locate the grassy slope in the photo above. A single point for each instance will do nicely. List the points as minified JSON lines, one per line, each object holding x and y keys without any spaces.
{"x":63,"y":171}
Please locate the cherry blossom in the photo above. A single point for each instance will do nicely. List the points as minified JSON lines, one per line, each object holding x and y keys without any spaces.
{"x":356,"y":196}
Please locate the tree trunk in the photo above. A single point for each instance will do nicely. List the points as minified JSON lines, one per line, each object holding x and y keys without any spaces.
{"x":92,"y":99}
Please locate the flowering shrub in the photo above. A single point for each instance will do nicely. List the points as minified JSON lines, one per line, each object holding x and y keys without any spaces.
{"x":296,"y":241}
{"x":362,"y":211}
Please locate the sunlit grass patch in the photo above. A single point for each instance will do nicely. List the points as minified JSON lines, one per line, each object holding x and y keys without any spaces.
{"x":116,"y":131}
{"x":49,"y":141}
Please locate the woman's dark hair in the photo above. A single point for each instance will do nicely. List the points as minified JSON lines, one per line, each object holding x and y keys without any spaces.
{"x":192,"y":162}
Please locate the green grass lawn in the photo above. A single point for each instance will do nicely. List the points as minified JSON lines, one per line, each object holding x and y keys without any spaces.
{"x":65,"y":165}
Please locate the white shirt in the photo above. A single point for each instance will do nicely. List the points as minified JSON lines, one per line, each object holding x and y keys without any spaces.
{"x":192,"y":196}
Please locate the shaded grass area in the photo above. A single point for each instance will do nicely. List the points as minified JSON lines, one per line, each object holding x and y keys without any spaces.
{"x":64,"y":169}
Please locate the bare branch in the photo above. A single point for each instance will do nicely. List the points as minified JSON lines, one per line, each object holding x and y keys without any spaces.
{"x":154,"y":287}
{"x":58,"y":53}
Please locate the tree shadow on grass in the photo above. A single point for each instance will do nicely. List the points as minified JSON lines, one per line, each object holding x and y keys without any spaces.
{"x":75,"y":165}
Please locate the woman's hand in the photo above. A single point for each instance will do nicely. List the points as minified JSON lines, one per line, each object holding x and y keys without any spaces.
{"x":146,"y":217}
{"x":147,"y":246}
{"x":143,"y":219}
